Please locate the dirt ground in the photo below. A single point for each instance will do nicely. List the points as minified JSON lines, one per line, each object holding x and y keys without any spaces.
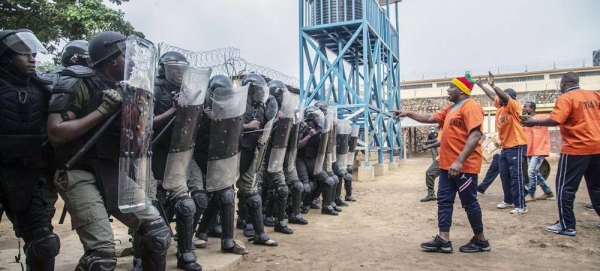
{"x":383,"y":230}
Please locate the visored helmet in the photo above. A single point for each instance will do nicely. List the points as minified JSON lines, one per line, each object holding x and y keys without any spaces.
{"x":313,"y":113}
{"x":217,"y":81}
{"x":21,"y":41}
{"x":173,"y":65}
{"x":276,"y":89}
{"x":75,"y":53}
{"x":323,"y":106}
{"x":257,"y":87}
{"x":104,"y":45}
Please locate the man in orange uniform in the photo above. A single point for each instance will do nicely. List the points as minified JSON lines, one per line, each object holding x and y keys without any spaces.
{"x":538,"y":147}
{"x":460,"y":162}
{"x":577,"y":111}
{"x":514,"y":142}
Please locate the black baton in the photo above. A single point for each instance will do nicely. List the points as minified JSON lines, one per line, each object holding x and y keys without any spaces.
{"x":92,"y":141}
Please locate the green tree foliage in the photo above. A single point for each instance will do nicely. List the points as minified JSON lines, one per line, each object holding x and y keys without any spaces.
{"x":63,"y":20}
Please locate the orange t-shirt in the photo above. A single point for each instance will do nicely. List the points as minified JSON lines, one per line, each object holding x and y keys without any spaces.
{"x":538,"y":138}
{"x":508,"y":121}
{"x":458,"y":124}
{"x":578,"y":113}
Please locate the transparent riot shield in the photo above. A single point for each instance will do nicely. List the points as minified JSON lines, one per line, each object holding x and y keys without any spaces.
{"x":280,"y":136}
{"x":259,"y":153}
{"x":228,"y":108}
{"x":136,"y":124}
{"x":323,"y":141}
{"x":343,"y":135}
{"x":292,"y":149}
{"x":194,"y":86}
{"x":352,"y":144}
{"x":331,"y":153}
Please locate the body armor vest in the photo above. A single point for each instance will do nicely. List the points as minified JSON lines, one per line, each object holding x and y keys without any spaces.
{"x":250,"y":140}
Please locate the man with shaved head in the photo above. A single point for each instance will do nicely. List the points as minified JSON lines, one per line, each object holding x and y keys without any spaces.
{"x":577,"y":112}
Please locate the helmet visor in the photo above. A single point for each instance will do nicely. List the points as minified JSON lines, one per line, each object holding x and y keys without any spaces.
{"x":174,"y":71}
{"x":260,"y":92}
{"x":24,"y":43}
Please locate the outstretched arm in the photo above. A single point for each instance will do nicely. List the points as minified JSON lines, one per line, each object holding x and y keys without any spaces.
{"x":539,"y":122}
{"x":420,"y":117}
{"x":503,"y":97}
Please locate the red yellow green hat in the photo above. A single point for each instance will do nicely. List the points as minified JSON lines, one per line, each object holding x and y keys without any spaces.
{"x":464,"y":83}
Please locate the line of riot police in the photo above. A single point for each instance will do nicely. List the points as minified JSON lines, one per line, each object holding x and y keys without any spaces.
{"x":112,"y":139}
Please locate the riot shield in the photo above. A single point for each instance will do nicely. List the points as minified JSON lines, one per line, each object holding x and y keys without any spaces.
{"x":331,"y":153}
{"x":136,"y":124}
{"x":189,"y":107}
{"x":259,"y":153}
{"x":223,"y":166}
{"x":343,"y":135}
{"x":292,"y":149}
{"x":324,"y":138}
{"x":352,"y":144}
{"x":280,"y":136}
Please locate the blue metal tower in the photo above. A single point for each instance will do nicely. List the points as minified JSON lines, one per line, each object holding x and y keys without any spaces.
{"x":351,"y":51}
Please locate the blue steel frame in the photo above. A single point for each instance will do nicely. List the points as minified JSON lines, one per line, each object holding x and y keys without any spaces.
{"x":357,"y":50}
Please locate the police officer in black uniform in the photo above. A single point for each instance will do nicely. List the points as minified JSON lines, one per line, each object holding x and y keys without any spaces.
{"x":250,"y":203}
{"x":308,"y":149}
{"x":172,"y":66}
{"x":221,"y":201}
{"x":74,"y":59}
{"x":23,"y":113}
{"x":80,"y":104}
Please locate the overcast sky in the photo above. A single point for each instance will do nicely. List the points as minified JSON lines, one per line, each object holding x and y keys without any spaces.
{"x":435,"y":35}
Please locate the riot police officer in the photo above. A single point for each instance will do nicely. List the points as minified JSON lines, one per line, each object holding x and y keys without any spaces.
{"x":24,"y":98}
{"x":330,"y":153}
{"x":223,"y":156}
{"x":172,"y":66}
{"x":74,"y":59}
{"x":260,"y":110}
{"x":80,"y":105}
{"x":274,"y":162}
{"x":314,"y":134}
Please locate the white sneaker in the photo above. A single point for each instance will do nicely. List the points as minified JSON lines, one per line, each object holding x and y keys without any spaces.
{"x":504,"y":205}
{"x":519,"y":211}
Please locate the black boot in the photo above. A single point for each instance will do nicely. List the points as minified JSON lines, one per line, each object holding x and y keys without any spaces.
{"x":185,"y":208}
{"x":226,"y":213}
{"x":327,"y":208}
{"x":282,"y":227}
{"x":348,"y":187}
{"x":255,"y":216}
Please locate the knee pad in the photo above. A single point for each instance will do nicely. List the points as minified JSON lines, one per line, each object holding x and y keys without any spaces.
{"x":254,"y":201}
{"x":348,"y":177}
{"x":330,"y":182}
{"x":282,"y":192}
{"x":185,"y":206}
{"x":200,"y":199}
{"x":43,"y":244}
{"x":335,"y":178}
{"x":307,"y":187}
{"x":298,"y":186}
{"x":156,"y":236}
{"x":226,"y":196}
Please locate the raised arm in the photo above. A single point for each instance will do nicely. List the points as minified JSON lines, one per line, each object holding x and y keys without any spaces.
{"x":502,"y":96}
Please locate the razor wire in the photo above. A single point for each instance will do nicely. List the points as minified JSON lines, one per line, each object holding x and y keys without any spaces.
{"x":227,"y":61}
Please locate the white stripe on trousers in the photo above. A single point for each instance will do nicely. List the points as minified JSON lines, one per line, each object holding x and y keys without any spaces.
{"x":560,"y":186}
